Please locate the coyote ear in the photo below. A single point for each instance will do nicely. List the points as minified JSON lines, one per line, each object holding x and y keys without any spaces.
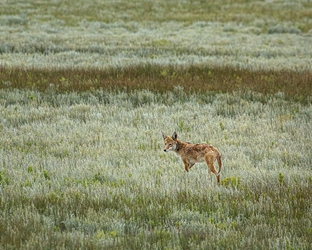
{"x":164,"y":135}
{"x":174,"y":136}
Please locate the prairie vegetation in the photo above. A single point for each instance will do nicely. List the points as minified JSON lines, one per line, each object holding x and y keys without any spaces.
{"x":86,"y":87}
{"x":87,"y":170}
{"x":160,"y":79}
{"x":254,"y":35}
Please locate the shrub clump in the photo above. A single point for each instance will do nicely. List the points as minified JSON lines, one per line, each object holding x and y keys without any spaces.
{"x":282,"y":29}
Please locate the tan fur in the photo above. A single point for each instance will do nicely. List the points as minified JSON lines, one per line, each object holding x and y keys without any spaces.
{"x":193,"y":153}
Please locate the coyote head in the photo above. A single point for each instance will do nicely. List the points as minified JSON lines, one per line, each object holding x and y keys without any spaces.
{"x":170,"y":142}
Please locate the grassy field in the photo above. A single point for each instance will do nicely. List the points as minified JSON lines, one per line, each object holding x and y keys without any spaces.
{"x":87,"y":87}
{"x":101,"y":34}
{"x":88,"y":171}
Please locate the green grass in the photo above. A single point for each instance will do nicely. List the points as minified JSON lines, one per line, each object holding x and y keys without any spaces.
{"x":86,"y":87}
{"x":87,"y":170}
{"x":105,"y":34}
{"x":244,"y":12}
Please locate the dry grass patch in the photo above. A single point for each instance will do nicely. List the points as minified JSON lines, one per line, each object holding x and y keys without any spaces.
{"x":160,"y":79}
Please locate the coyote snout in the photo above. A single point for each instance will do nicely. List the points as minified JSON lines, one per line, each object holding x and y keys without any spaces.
{"x":193,"y":153}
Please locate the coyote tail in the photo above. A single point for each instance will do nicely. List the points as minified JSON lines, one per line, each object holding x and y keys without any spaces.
{"x":219,"y":162}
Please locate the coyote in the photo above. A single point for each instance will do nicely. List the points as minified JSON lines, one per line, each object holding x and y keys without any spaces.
{"x":192,"y":153}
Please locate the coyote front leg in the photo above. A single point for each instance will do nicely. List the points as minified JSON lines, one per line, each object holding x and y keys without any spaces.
{"x":186,"y":165}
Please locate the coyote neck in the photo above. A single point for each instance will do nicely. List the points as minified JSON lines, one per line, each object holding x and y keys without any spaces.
{"x":179,"y":146}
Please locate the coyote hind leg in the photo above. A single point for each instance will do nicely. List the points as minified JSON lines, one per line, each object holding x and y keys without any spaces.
{"x":209,"y":158}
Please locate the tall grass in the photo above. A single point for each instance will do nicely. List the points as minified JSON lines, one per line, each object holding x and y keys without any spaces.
{"x":87,"y":171}
{"x":192,"y":79}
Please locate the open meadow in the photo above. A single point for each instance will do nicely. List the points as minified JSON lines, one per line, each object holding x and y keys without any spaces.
{"x":87,"y":87}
